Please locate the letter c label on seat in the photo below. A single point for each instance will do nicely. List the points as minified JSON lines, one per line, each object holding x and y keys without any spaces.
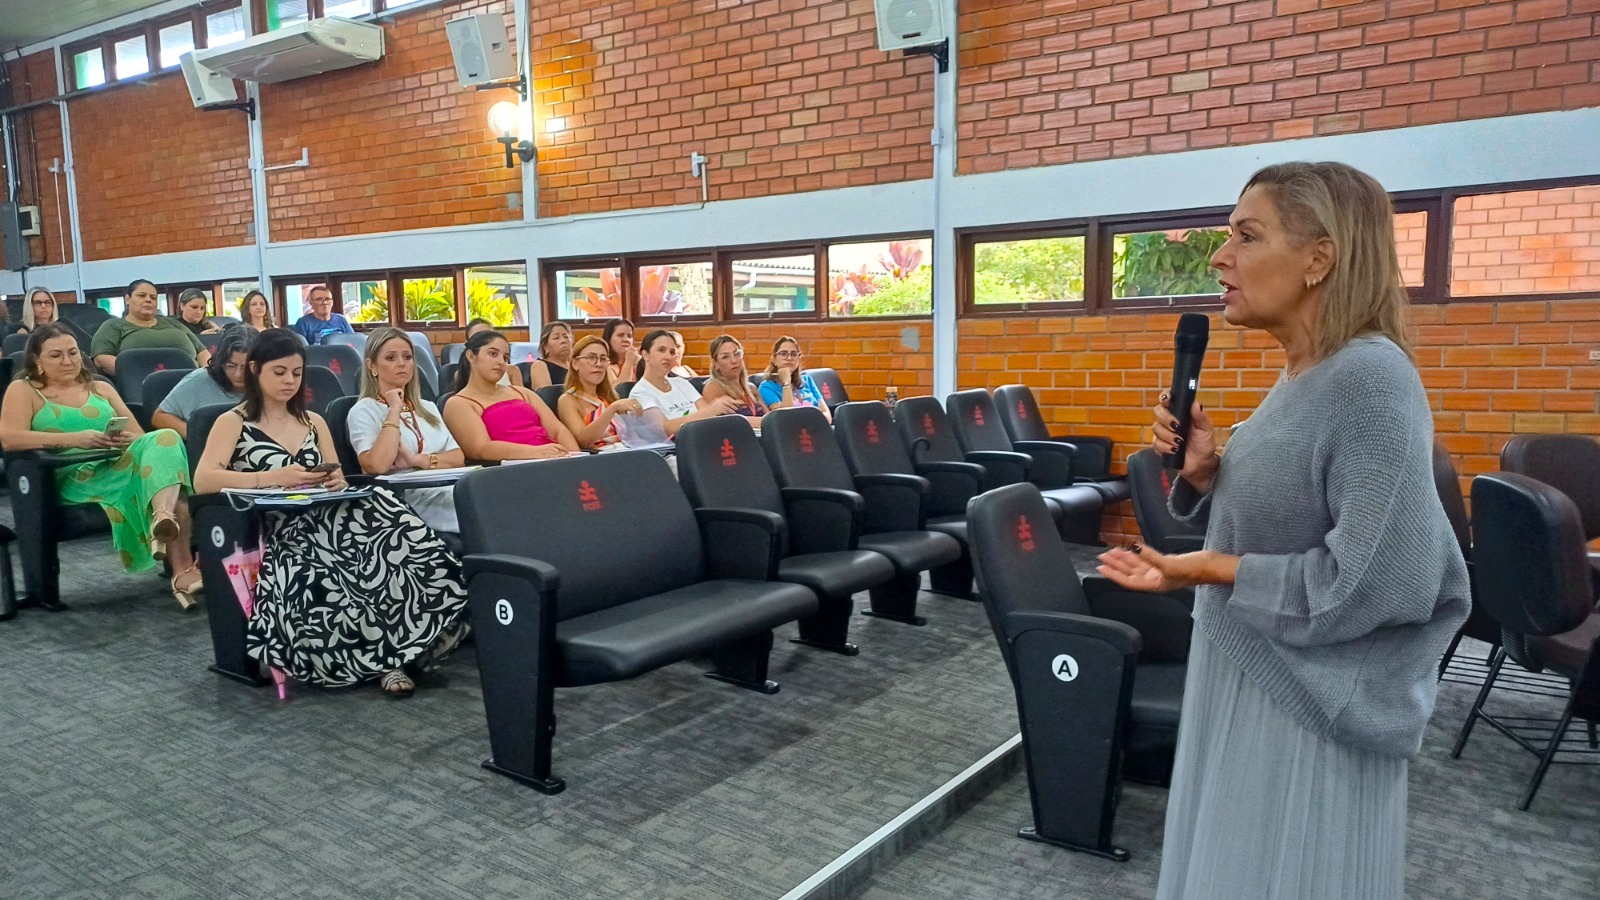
{"x":217,"y":536}
{"x":503,"y":612}
{"x":22,"y":484}
{"x":1063,"y":667}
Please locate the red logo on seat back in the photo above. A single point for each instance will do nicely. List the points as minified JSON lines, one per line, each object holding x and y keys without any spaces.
{"x":805,"y":441}
{"x":1024,"y":534}
{"x":977,"y":415}
{"x":872,"y":432}
{"x":310,"y":396}
{"x":588,"y":496}
{"x":927,"y":423}
{"x":161,"y":367}
{"x":827,"y":393}
{"x":728,"y":456}
{"x":1022,"y":410}
{"x":334,"y":367}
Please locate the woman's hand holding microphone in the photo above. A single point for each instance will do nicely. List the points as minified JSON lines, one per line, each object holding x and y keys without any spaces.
{"x":1200,"y":459}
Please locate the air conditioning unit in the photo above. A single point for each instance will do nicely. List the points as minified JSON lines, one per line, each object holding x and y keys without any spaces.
{"x":206,"y":86}
{"x":296,"y":51}
{"x":909,"y":23}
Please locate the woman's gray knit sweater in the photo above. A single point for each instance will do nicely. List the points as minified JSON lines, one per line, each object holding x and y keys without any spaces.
{"x":1351,"y":582}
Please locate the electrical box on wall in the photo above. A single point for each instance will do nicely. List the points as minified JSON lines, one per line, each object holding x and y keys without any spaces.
{"x":909,"y":23}
{"x":28,"y":220}
{"x":13,"y":245}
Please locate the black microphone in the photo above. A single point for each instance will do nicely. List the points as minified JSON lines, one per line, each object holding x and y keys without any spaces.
{"x":1189,"y":348}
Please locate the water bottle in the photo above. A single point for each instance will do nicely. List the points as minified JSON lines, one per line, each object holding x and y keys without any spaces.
{"x":891,"y":396}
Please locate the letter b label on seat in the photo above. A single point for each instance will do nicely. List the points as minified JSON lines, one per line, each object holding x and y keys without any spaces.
{"x":1064,"y":667}
{"x":504,"y":614}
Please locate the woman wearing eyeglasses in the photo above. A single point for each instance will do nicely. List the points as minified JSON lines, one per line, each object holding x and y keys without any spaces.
{"x":786,"y":385}
{"x":221,"y":380}
{"x":730,"y":378}
{"x":590,"y":403}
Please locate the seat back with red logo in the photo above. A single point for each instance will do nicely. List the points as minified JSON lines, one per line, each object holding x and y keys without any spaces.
{"x":338,"y":416}
{"x":976,"y":422}
{"x":721,"y":464}
{"x":925,"y":430}
{"x":616,"y":525}
{"x":831,"y":386}
{"x":1019,"y":413}
{"x":133,"y":366}
{"x":524,"y":351}
{"x":802,"y":451}
{"x":869,"y":439}
{"x":322,"y":387}
{"x":157,"y":385}
{"x":342,"y":360}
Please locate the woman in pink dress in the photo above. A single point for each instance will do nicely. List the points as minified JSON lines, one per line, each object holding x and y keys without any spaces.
{"x":494,"y":422}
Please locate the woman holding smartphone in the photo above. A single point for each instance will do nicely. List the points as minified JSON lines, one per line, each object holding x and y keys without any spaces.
{"x":57,"y":405}
{"x":349,"y":592}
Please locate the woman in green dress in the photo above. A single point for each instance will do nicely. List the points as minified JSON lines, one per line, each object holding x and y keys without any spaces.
{"x":56,"y":404}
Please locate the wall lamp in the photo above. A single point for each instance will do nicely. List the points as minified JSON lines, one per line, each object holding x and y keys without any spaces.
{"x":505,"y":120}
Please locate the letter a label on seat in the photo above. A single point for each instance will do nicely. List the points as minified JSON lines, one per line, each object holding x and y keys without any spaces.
{"x":1063,"y":667}
{"x":503,"y":612}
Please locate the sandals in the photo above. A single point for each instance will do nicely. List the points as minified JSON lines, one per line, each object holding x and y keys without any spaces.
{"x":186,"y":597}
{"x":397,"y":685}
{"x":163,"y":531}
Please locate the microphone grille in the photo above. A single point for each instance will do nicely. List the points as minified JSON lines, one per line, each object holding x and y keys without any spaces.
{"x":1194,"y":332}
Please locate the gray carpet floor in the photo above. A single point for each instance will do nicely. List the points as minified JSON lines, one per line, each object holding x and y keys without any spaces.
{"x":1466,"y":839}
{"x":129,"y":771}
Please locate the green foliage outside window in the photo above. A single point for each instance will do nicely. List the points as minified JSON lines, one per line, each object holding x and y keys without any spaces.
{"x":434,"y":300}
{"x":1152,"y":264}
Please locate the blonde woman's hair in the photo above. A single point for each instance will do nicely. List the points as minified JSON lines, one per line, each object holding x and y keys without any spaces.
{"x":1364,"y":292}
{"x":739,"y":387}
{"x":27,"y":308}
{"x":605,"y":390}
{"x":369,"y":383}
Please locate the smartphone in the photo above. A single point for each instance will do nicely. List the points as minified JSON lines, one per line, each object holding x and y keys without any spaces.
{"x":116,"y":426}
{"x":325,"y":467}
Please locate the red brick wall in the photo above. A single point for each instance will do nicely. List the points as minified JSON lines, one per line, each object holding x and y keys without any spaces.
{"x":782,"y":95}
{"x":1526,"y":242}
{"x":34,"y":78}
{"x":1047,"y":83}
{"x":156,"y":175}
{"x":394,"y":145}
{"x":1490,"y":370}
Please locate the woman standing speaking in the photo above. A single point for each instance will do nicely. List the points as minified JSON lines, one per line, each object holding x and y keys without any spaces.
{"x":1330,"y":581}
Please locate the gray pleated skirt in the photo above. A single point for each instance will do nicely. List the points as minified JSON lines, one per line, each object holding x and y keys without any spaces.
{"x":1262,"y":808}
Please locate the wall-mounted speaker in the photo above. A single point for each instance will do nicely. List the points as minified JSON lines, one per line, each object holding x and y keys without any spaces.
{"x":13,"y":246}
{"x":206,"y":86}
{"x":909,"y":23}
{"x":482,"y":49}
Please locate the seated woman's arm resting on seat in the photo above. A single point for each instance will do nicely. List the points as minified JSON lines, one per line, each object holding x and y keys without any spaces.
{"x":212,"y":473}
{"x":107,"y":363}
{"x":164,"y":419}
{"x":715,"y":391}
{"x":551,"y":422}
{"x":465,"y":421}
{"x":571,"y":412}
{"x":704,"y":409}
{"x":16,"y":426}
{"x":538,"y":376}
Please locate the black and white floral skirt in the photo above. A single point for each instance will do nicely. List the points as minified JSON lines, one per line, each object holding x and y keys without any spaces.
{"x":351,"y":590}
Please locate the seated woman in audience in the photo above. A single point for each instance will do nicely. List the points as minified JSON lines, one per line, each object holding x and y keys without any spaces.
{"x":677,"y":399}
{"x":495,"y":422}
{"x":513,"y":373}
{"x":192,"y":311}
{"x":555,"y":355}
{"x":220,"y":381}
{"x":394,"y":430}
{"x":678,"y":368}
{"x":618,"y":335}
{"x":730,"y":378}
{"x":785,"y":384}
{"x":348,"y":592}
{"x":140,"y":328}
{"x":590,"y":404}
{"x":40,"y":309}
{"x":255,"y":311}
{"x":57,"y":404}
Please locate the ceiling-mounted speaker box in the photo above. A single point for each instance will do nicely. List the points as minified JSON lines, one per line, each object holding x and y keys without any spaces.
{"x":482,"y":49}
{"x":206,"y":86}
{"x":909,"y":23}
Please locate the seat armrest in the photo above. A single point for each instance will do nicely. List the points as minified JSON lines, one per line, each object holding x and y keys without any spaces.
{"x":894,"y":501}
{"x":1003,"y":466}
{"x":1094,"y":454}
{"x":56,"y":459}
{"x":1165,"y":622}
{"x":1123,"y":639}
{"x":540,"y":575}
{"x":1052,"y":461}
{"x":741,"y":543}
{"x":952,"y":485}
{"x":823,"y":520}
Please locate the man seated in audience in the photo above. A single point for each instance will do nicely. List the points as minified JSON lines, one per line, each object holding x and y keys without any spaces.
{"x":140,"y":328}
{"x":677,"y":399}
{"x":221,"y":380}
{"x":322,"y":321}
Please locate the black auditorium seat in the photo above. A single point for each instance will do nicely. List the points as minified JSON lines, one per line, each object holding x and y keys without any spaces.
{"x":1150,"y":483}
{"x":976,"y":424}
{"x":1098,"y":670}
{"x":427,"y":363}
{"x":133,"y":366}
{"x":588,"y":596}
{"x":1479,"y":625}
{"x":1090,"y":460}
{"x":14,"y":344}
{"x":803,"y":453}
{"x":832,"y":387}
{"x":357,"y":340}
{"x":337,"y":416}
{"x":721,"y":465}
{"x":224,"y":321}
{"x":1570,"y":463}
{"x":343,"y":360}
{"x":210,"y":341}
{"x":1531,"y":564}
{"x":451,"y":353}
{"x":447,"y":375}
{"x":624,"y":389}
{"x":157,"y":385}
{"x":322,"y":387}
{"x":42,"y":522}
{"x":524,"y":352}
{"x":871,"y":445}
{"x":551,"y":395}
